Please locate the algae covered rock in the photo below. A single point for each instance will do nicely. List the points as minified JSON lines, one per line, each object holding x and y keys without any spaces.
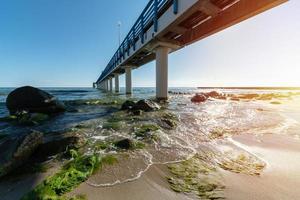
{"x":58,"y":145}
{"x":128,"y":105}
{"x":125,"y":144}
{"x":33,"y":100}
{"x":15,"y":151}
{"x":142,"y":105}
{"x":199,"y":98}
{"x":26,"y":119}
{"x":146,"y":105}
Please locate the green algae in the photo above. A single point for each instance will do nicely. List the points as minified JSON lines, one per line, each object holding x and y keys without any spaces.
{"x":196,"y":176}
{"x":147,"y":131}
{"x":242,"y":163}
{"x":27,"y":119}
{"x":102,"y":145}
{"x":112,"y":126}
{"x":275,"y":102}
{"x":105,"y":145}
{"x":70,"y":176}
{"x":98,"y":102}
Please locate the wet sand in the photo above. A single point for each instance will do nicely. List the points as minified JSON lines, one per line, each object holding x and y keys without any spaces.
{"x":281,"y":178}
{"x":151,"y":186}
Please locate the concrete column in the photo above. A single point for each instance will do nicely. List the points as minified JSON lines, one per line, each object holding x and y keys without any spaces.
{"x":110,"y":84}
{"x":117,"y":86}
{"x":128,"y":82}
{"x":162,"y":72}
{"x":106,"y":85}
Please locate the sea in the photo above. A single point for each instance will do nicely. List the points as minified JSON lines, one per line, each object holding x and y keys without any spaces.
{"x":199,"y":122}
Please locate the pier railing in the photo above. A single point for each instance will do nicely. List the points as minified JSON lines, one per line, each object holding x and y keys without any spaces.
{"x":148,"y":17}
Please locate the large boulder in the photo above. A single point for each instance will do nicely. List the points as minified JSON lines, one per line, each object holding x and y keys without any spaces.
{"x":15,"y":151}
{"x":128,"y":105}
{"x":146,"y":105}
{"x":57,"y":145}
{"x":33,"y":100}
{"x":199,"y":98}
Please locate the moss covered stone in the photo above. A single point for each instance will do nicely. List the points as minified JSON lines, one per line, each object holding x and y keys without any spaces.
{"x":242,"y":163}
{"x":147,"y":131}
{"x":197,"y":177}
{"x":112,"y":125}
{"x":71,"y":175}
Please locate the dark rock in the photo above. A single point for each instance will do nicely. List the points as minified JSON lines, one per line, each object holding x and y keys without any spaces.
{"x":212,"y":94}
{"x":14,"y":152}
{"x":137,"y":112}
{"x":124,"y":144}
{"x":146,"y":105}
{"x":57,"y":145}
{"x":33,"y":100}
{"x":169,"y":123}
{"x":128,"y":105}
{"x":199,"y":98}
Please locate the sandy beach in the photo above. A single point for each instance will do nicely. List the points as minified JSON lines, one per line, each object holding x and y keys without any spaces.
{"x":280,"y":179}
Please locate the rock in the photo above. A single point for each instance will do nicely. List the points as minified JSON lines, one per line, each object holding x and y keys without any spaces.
{"x":57,"y":145}
{"x":168,"y":123}
{"x":199,"y":98}
{"x":15,"y":151}
{"x":212,"y":94}
{"x":128,"y":105}
{"x":124,"y":144}
{"x":33,"y":100}
{"x":137,"y":112}
{"x":234,"y":99}
{"x":146,"y":105}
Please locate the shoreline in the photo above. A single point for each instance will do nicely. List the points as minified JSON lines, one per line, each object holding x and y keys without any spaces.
{"x":151,"y":185}
{"x":279,"y":180}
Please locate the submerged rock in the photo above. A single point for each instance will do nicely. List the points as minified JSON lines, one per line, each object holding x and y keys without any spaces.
{"x":125,"y":144}
{"x":199,"y":98}
{"x":15,"y":151}
{"x":25,"y":118}
{"x":128,"y":105}
{"x":146,"y":105}
{"x":57,"y":145}
{"x":142,"y":105}
{"x":137,"y":112}
{"x":33,"y":100}
{"x":212,"y":94}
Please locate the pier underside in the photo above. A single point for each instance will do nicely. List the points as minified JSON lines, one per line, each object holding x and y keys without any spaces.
{"x":197,"y":20}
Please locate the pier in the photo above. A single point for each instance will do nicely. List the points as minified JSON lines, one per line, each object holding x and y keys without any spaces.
{"x":166,"y":26}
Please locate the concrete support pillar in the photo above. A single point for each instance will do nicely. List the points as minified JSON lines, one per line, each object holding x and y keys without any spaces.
{"x":106,"y":85}
{"x":162,"y":72}
{"x":110,"y":84}
{"x":117,"y":86}
{"x":128,"y":82}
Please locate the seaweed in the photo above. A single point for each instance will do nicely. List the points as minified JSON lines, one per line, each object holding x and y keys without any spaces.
{"x":147,"y":131}
{"x":112,"y":125}
{"x":70,"y":176}
{"x":196,"y":176}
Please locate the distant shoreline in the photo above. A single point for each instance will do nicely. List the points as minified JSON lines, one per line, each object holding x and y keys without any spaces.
{"x":252,"y":88}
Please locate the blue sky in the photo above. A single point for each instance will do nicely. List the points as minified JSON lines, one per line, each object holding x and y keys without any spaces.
{"x":69,"y":42}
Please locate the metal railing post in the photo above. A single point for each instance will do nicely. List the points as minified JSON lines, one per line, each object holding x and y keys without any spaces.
{"x":142,"y":29}
{"x":133,"y":33}
{"x":175,"y":6}
{"x":155,"y":20}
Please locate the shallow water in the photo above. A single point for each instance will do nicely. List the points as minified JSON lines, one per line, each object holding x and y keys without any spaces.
{"x":196,"y":131}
